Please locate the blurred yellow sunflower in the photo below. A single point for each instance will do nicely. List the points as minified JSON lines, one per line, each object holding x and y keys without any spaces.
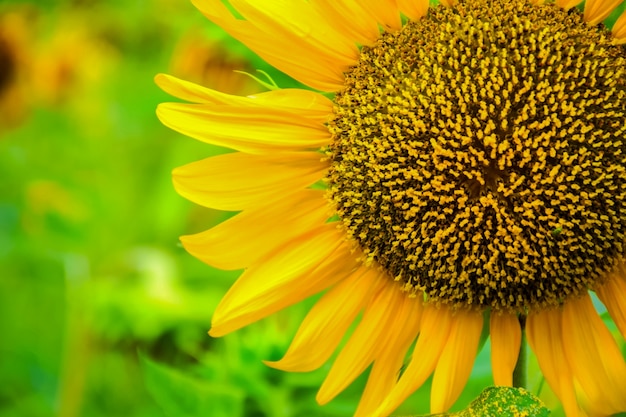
{"x":14,"y":65}
{"x":71,"y":62}
{"x":203,"y":59}
{"x":473,"y":160}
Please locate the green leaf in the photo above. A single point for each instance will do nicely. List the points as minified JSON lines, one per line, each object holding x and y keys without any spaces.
{"x":502,"y":402}
{"x":180,"y":395}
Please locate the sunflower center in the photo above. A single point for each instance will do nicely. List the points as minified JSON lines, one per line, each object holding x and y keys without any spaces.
{"x":478,"y":154}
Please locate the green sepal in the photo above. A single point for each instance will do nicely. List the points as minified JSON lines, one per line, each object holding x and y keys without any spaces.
{"x":502,"y":402}
{"x":271,"y":85}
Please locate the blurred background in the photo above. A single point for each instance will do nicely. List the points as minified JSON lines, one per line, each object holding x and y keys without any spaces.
{"x":102,"y":312}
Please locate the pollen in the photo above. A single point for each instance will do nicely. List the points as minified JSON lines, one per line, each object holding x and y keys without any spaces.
{"x":478,"y":154}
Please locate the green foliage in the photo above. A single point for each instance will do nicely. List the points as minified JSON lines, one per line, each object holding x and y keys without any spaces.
{"x":180,"y":395}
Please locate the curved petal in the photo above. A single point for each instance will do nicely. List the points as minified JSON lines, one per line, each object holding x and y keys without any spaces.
{"x":192,"y":92}
{"x":297,"y":19}
{"x":242,"y":240}
{"x":613,"y":294}
{"x":303,"y":267}
{"x":506,"y":339}
{"x":355,"y":20}
{"x":386,"y":12}
{"x":414,"y":9}
{"x":434,"y":333}
{"x":365,"y":344}
{"x":327,"y":322}
{"x":598,"y":10}
{"x":299,"y":102}
{"x":619,"y":29}
{"x":291,"y":36}
{"x":385,"y":372}
{"x":256,"y":128}
{"x":238,"y":181}
{"x":594,"y":358}
{"x":544,"y":330}
{"x":456,"y":361}
{"x":567,"y":4}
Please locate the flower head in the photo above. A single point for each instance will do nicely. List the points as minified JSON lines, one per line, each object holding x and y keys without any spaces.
{"x":203,"y":59}
{"x":474,"y":162}
{"x":14,"y":65}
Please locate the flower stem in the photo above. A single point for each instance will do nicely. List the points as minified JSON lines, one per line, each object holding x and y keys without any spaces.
{"x":519,"y":373}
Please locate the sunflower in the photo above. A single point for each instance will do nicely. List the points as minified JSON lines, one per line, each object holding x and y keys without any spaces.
{"x":14,"y":65}
{"x":203,"y":58}
{"x":449,"y":168}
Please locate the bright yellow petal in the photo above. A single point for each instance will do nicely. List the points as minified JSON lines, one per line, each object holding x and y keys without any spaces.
{"x":242,"y":240}
{"x":303,"y":267}
{"x":254,"y":129}
{"x":385,"y":371}
{"x":596,"y":361}
{"x":414,"y":9}
{"x":238,"y":181}
{"x":364,"y":344}
{"x":290,"y":36}
{"x":351,"y":17}
{"x":194,"y":93}
{"x":434,"y":332}
{"x":386,"y":12}
{"x":613,"y":295}
{"x":327,"y":322}
{"x":448,"y":3}
{"x":297,"y":101}
{"x":567,"y":4}
{"x":299,"y":21}
{"x":598,"y":10}
{"x":506,"y":339}
{"x":619,"y":29}
{"x":456,"y":361}
{"x":544,"y":330}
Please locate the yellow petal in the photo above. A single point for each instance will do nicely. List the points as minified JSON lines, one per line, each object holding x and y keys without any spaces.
{"x":506,"y":339}
{"x":364,"y":344}
{"x":456,"y":361}
{"x":327,"y":322}
{"x":297,"y":101}
{"x":253,"y":129}
{"x":385,"y":372}
{"x":290,"y":36}
{"x":299,"y":21}
{"x":239,"y":181}
{"x":242,"y":240}
{"x":414,"y":9}
{"x":351,"y":17}
{"x":598,"y":10}
{"x":434,"y":332}
{"x":448,"y":3}
{"x":595,"y":359}
{"x":567,"y":4}
{"x":301,"y":103}
{"x":194,"y":93}
{"x":303,"y":267}
{"x":385,"y":11}
{"x":613,"y":295}
{"x":619,"y":29}
{"x":544,"y":330}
